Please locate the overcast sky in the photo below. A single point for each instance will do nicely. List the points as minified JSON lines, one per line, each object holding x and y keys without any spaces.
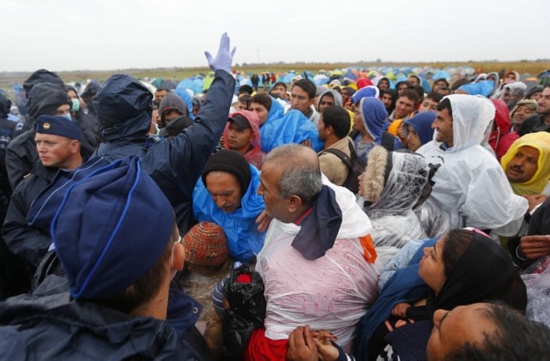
{"x":120,"y":34}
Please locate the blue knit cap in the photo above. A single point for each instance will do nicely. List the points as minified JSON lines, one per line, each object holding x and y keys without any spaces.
{"x":57,"y":125}
{"x":110,"y":229}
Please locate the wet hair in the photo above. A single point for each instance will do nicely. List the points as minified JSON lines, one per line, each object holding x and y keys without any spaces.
{"x":398,"y":85}
{"x":69,"y":88}
{"x":146,"y":288}
{"x":435,"y":96}
{"x":420,"y":92}
{"x":245,"y":99}
{"x":458,"y":83}
{"x":263,"y":99}
{"x":417,"y":78}
{"x":308,"y":86}
{"x":534,"y":90}
{"x":162,"y":90}
{"x":393,"y":94}
{"x":245,"y":89}
{"x":338,"y":118}
{"x":516,"y":338}
{"x":456,"y":244}
{"x":301,"y":177}
{"x":442,"y":80}
{"x":386,"y":80}
{"x":411,"y":94}
{"x":445,"y":104}
{"x":279,"y":83}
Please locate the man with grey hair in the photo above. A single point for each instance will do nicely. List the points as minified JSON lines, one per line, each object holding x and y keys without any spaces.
{"x":318,"y":259}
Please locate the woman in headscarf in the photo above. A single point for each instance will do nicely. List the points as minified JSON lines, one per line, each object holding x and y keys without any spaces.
{"x":462,"y":267}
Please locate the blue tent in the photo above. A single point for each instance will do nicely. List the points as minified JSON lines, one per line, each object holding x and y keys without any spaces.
{"x":245,"y":81}
{"x":442,"y":74}
{"x":350,"y":75}
{"x":189,"y":83}
{"x":320,"y":79}
{"x":157,"y":82}
{"x":198,"y":82}
{"x":400,"y":77}
{"x":288,"y":78}
{"x":427,"y":87}
{"x":184,"y":95}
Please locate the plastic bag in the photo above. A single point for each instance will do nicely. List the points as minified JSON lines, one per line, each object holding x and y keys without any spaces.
{"x":245,"y":293}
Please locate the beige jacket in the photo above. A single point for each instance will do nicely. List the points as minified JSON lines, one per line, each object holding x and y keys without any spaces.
{"x":331,"y":166}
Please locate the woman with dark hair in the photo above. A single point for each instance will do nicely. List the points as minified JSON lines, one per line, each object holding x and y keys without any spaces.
{"x":463,"y":267}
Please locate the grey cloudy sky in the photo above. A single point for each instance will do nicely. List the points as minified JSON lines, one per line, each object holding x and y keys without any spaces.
{"x":120,"y":34}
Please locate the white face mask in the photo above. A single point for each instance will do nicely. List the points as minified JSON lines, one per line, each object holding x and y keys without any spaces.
{"x":172,"y":259}
{"x":76,"y":105}
{"x":68,"y":116}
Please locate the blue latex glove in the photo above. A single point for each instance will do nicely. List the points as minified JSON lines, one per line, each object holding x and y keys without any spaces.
{"x":224,"y":58}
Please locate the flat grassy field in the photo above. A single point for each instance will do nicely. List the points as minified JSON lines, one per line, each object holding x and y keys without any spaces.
{"x":8,"y":79}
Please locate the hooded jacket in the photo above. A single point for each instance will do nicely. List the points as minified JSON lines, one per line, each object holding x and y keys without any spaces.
{"x":41,"y":76}
{"x":184,"y":95}
{"x":241,"y":230}
{"x":6,"y":134}
{"x":292,"y":127}
{"x":393,"y":185}
{"x":254,"y":155}
{"x":470,"y":187}
{"x":6,"y":126}
{"x":89,"y":92}
{"x":532,"y":124}
{"x":44,"y":99}
{"x":502,"y":138}
{"x":176,"y":125}
{"x":483,"y":87}
{"x":422,"y":125}
{"x":374,"y":114}
{"x":335,"y":95}
{"x":52,"y":327}
{"x":541,"y":142}
{"x":123,"y":107}
{"x":363,"y":82}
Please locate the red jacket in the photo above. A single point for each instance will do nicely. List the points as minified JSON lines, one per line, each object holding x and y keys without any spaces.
{"x":502,"y":138}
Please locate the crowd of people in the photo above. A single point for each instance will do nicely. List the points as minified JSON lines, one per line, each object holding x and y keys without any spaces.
{"x":350,"y":221}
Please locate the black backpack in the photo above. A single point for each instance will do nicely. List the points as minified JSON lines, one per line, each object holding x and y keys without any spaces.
{"x":355,"y":166}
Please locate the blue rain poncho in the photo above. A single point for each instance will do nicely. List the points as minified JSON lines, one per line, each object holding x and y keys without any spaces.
{"x":292,"y":127}
{"x":243,"y":238}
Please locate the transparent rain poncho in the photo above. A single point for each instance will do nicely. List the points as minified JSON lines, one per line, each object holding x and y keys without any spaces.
{"x":332,"y":292}
{"x":392,"y":216}
{"x":470,"y":187}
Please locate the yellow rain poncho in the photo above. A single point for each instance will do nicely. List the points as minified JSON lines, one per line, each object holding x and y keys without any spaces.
{"x":541,"y":142}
